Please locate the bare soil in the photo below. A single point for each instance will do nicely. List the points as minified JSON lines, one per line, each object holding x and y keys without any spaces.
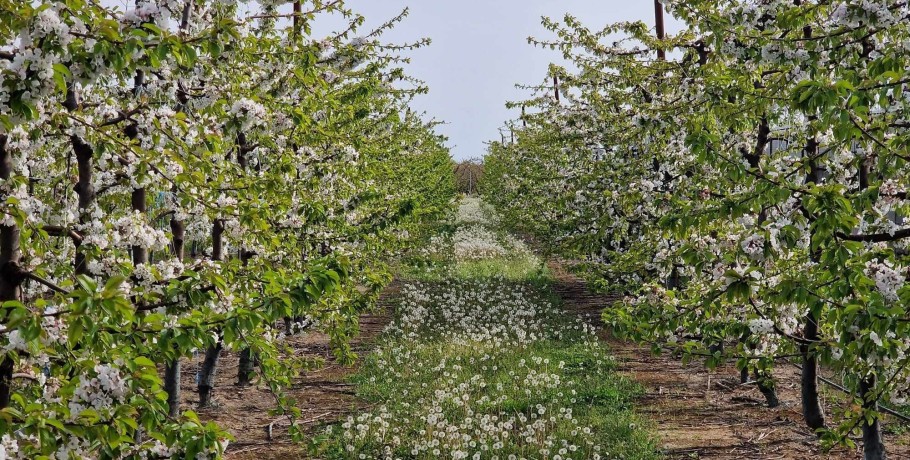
{"x":707,"y":414}
{"x":323,"y":395}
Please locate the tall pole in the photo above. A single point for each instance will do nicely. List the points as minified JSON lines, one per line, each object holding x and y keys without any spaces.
{"x":659,"y":25}
{"x":297,"y":19}
{"x":556,"y":87}
{"x":673,"y":280}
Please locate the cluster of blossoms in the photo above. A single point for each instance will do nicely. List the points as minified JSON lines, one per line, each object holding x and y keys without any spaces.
{"x":888,"y":279}
{"x":248,"y":112}
{"x":474,"y":242}
{"x":754,"y":246}
{"x":761,"y":326}
{"x":472,"y":210}
{"x":9,"y":448}
{"x":100,"y":392}
{"x":134,"y":230}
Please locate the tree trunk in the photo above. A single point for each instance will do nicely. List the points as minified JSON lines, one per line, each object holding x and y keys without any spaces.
{"x":11,"y":276}
{"x":207,"y":374}
{"x":172,"y":386}
{"x":717,"y":347}
{"x":218,"y":240}
{"x":247,"y":362}
{"x":766,"y":387}
{"x":247,"y":358}
{"x":186,"y":16}
{"x":873,"y":445}
{"x":178,"y":238}
{"x":6,"y":382}
{"x":85,"y":191}
{"x":210,"y":364}
{"x":246,"y":367}
{"x":744,"y":372}
{"x":674,"y":280}
{"x":172,"y":370}
{"x":139,"y":204}
{"x":812,"y":409}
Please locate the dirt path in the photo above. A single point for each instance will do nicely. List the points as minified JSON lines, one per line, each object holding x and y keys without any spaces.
{"x":322,"y":395}
{"x":702,"y":414}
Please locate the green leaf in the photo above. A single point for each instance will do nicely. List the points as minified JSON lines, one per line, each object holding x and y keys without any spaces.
{"x":142,"y":361}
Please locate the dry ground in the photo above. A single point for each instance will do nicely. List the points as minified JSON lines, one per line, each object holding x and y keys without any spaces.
{"x":702,"y":414}
{"x":322,"y":395}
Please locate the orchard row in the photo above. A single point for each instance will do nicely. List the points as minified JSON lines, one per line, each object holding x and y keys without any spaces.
{"x":188,"y":176}
{"x":747,"y":193}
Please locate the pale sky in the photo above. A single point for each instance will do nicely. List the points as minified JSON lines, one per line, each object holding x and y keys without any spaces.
{"x":480,"y":51}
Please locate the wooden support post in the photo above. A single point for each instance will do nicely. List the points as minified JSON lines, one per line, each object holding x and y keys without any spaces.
{"x":659,"y":25}
{"x":297,"y":19}
{"x":556,"y":87}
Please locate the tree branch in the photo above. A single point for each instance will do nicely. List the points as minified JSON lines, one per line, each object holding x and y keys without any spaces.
{"x":876,"y":237}
{"x":45,"y":282}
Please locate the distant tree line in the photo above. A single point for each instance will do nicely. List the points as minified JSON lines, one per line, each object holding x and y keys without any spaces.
{"x":467,"y":174}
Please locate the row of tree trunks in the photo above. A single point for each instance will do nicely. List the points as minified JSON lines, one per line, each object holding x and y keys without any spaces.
{"x":172,"y":369}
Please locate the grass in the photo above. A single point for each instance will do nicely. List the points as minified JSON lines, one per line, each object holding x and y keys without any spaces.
{"x":480,"y":362}
{"x":599,"y":399}
{"x":528,"y":269}
{"x":435,"y":261}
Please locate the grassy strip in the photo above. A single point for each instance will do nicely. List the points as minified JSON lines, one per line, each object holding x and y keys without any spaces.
{"x":480,"y":362}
